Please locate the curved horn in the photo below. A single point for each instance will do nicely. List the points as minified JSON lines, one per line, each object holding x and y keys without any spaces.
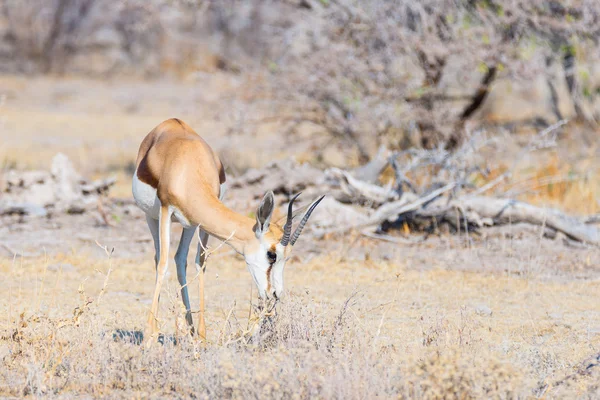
{"x":287,"y":228}
{"x":298,"y":230}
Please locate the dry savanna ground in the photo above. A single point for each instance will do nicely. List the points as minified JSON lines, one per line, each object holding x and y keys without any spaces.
{"x":348,"y":329}
{"x":507,"y":314}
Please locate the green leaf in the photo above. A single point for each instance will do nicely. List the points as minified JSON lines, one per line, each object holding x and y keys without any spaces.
{"x":273,"y":67}
{"x":587,"y":92}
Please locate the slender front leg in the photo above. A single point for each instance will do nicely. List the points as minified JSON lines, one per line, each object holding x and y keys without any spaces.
{"x":201,"y":268}
{"x":181,"y":261}
{"x":164,"y":236}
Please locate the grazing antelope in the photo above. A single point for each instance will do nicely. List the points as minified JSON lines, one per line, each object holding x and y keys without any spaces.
{"x":180,"y":178}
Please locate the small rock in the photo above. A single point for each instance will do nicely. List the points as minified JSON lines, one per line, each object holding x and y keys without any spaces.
{"x":65,"y":267}
{"x":483,"y":310}
{"x":25,"y":179}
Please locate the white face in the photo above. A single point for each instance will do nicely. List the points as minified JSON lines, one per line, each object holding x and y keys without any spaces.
{"x":266,"y":268}
{"x":265,"y":256}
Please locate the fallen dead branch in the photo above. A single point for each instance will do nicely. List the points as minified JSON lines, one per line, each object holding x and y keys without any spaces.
{"x":389,"y":238}
{"x":401,"y":207}
{"x":61,"y":189}
{"x":441,"y":195}
{"x":430,"y":189}
{"x":97,"y":187}
{"x":503,"y":211}
{"x":354,"y":190}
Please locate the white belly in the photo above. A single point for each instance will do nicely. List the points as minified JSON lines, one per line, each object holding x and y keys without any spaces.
{"x":145,"y":197}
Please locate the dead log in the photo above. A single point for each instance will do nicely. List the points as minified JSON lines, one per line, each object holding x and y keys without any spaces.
{"x":98,"y":187}
{"x":358,"y":191}
{"x":15,"y":180}
{"x":593,"y":219}
{"x":61,"y":189}
{"x":332,"y":214}
{"x":23,"y":209}
{"x":409,"y":202}
{"x":502,"y":211}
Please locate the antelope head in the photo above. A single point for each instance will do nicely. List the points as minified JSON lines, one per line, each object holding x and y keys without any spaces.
{"x":266,"y":256}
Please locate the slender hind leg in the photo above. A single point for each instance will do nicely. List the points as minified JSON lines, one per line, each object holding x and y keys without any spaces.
{"x":164,"y":236}
{"x":153,"y":225}
{"x":181,"y":261}
{"x":201,"y":268}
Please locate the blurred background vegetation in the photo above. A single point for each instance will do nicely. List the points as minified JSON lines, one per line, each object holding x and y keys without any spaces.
{"x":327,"y":81}
{"x":401,"y":72}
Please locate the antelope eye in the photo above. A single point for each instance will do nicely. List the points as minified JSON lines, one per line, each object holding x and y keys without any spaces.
{"x":271,"y":256}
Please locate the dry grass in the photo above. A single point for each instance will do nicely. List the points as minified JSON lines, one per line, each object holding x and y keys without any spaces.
{"x":422,"y":326}
{"x":351,"y":330}
{"x":564,"y":178}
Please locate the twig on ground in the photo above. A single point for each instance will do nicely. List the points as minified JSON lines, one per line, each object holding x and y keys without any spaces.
{"x":221,"y":338}
{"x":388,"y":238}
{"x":15,"y":253}
{"x":103,"y":213}
{"x":109,"y":254}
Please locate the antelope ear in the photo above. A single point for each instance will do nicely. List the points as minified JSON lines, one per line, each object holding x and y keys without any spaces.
{"x":264,"y":214}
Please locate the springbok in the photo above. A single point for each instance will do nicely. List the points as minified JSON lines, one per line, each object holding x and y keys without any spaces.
{"x":180,"y":178}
